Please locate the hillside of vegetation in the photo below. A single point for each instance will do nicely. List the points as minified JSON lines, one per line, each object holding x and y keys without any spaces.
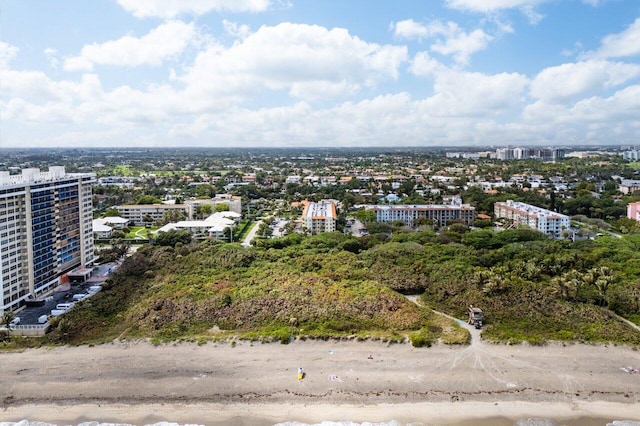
{"x":330,"y":285}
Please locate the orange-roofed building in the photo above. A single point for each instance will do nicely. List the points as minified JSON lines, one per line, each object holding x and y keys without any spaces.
{"x":319,"y":217}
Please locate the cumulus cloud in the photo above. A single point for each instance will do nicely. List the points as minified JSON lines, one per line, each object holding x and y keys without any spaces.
{"x":211,"y":100}
{"x":462,"y":45}
{"x":293,"y":57}
{"x":624,"y":44}
{"x":620,"y":110}
{"x":169,"y":9}
{"x":572,"y":81}
{"x":473,"y":94}
{"x":409,"y":29}
{"x":165,"y":41}
{"x":450,"y":38}
{"x":424,"y":65}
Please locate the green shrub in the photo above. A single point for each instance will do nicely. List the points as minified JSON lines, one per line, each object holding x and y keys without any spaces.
{"x":421,"y":338}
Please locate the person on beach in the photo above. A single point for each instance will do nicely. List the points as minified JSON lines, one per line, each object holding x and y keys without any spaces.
{"x":300,"y":373}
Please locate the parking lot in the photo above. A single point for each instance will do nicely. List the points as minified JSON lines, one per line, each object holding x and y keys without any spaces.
{"x":65,"y":293}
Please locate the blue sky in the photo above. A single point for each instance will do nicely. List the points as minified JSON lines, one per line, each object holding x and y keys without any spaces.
{"x":262,"y":73}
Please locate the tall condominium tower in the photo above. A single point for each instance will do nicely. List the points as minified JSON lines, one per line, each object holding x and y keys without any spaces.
{"x":45,"y":231}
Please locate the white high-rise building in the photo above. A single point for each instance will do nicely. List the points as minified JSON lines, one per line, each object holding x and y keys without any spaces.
{"x":45,"y":231}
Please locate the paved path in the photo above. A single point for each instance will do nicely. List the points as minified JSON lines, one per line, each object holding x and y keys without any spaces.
{"x":251,"y":234}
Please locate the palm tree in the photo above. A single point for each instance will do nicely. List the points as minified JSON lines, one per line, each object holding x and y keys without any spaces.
{"x":602,"y":279}
{"x":7,"y":318}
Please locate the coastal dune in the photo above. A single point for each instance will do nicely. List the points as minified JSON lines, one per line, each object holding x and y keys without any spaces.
{"x":254,"y":383}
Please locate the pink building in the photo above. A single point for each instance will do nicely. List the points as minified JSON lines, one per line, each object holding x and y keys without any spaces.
{"x":633,"y":211}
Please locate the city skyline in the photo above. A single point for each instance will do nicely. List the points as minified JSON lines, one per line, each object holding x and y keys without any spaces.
{"x":276,"y":73}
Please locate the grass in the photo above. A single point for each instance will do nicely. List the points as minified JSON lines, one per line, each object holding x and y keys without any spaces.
{"x":634,"y":319}
{"x":635,"y":165}
{"x":244,"y":227}
{"x":140,"y":232}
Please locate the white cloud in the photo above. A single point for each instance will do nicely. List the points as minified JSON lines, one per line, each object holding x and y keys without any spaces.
{"x":52,"y":56}
{"x":594,"y":116}
{"x":491,"y":5}
{"x":494,"y":5}
{"x":293,"y":57}
{"x":165,"y":41}
{"x":573,"y":81}
{"x":37,"y":87}
{"x":527,"y":7}
{"x":624,"y":44}
{"x":462,"y":45}
{"x":472,"y":94}
{"x":212,"y":100}
{"x":409,"y":29}
{"x":7,"y":54}
{"x":450,"y":38}
{"x":169,"y":9}
{"x":236,"y":30}
{"x":424,"y":65}
{"x":533,"y":16}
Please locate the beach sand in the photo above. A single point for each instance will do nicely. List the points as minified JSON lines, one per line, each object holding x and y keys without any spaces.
{"x":254,"y":383}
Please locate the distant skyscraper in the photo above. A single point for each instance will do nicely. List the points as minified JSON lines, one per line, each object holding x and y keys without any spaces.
{"x":45,"y":231}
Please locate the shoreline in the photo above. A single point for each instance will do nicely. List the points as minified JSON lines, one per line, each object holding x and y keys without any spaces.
{"x":463,"y":413}
{"x":254,"y":383}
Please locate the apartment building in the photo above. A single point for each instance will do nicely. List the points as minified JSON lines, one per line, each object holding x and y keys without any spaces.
{"x":140,"y":214}
{"x":319,"y":217}
{"x":234,"y":203}
{"x":545,"y":221}
{"x":629,"y":186}
{"x":521,"y":153}
{"x":45,"y":231}
{"x":440,"y":214}
{"x":137,"y":213}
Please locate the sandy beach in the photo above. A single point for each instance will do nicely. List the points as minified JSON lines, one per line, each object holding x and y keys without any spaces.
{"x":254,"y":383}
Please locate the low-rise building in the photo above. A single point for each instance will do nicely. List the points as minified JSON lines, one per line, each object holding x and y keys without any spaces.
{"x":137,"y":213}
{"x":440,"y":214}
{"x":213,"y":226}
{"x":101,"y":230}
{"x":141,"y":214}
{"x":629,"y":186}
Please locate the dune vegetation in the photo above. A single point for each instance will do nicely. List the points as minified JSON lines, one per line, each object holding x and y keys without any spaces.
{"x":333,"y":286}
